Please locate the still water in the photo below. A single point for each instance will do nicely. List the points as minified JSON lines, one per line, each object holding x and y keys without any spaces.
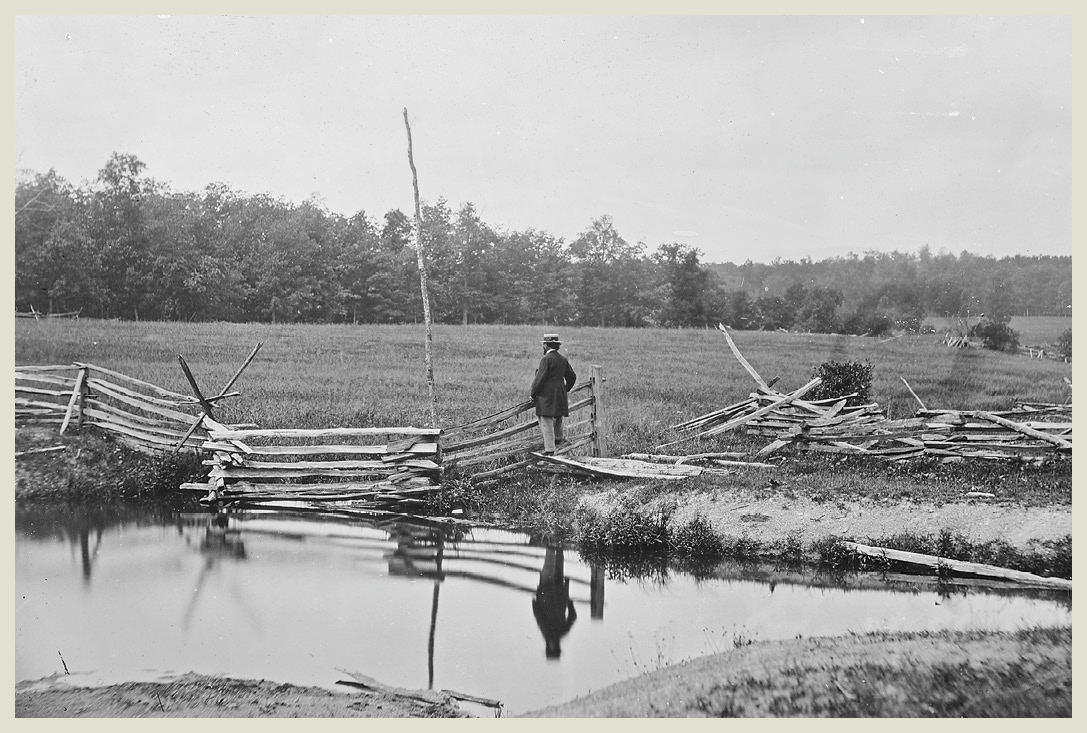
{"x":490,"y":613}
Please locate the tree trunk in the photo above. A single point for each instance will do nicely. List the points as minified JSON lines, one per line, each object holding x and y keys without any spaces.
{"x":422,"y":281}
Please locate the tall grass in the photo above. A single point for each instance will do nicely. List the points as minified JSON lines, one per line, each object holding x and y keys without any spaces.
{"x":309,"y":376}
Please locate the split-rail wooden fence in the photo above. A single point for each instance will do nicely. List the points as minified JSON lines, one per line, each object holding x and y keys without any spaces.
{"x":141,"y":415}
{"x":473,"y":448}
{"x":378,"y":468}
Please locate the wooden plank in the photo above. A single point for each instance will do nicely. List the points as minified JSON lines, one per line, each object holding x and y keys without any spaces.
{"x":486,"y":422}
{"x":313,"y":450}
{"x":680,"y":459}
{"x":104,"y":418}
{"x":913,"y":393}
{"x":485,"y":439}
{"x":138,"y":435}
{"x":146,"y":420}
{"x":743,"y":464}
{"x":66,"y":382}
{"x":1012,"y":447}
{"x":234,"y":473}
{"x":321,"y":433}
{"x":243,"y":486}
{"x":736,"y":407}
{"x":144,"y":398}
{"x":138,"y":401}
{"x":306,"y":465}
{"x":139,"y":382}
{"x":54,"y":368}
{"x":22,"y":402}
{"x":599,"y":412}
{"x":78,"y":393}
{"x":740,"y":358}
{"x":773,"y":448}
{"x":42,"y":391}
{"x":572,"y":446}
{"x":958,"y":566}
{"x":831,"y":416}
{"x":601,"y":471}
{"x":232,"y":380}
{"x":1021,"y":428}
{"x":505,"y":451}
{"x":34,"y":451}
{"x":785,"y":399}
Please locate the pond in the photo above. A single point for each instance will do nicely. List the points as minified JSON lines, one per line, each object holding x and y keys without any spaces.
{"x":109,"y":597}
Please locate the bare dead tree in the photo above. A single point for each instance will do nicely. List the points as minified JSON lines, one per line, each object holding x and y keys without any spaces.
{"x":423,"y":281}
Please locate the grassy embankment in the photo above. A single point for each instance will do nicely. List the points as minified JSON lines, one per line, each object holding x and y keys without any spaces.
{"x":338,"y":376}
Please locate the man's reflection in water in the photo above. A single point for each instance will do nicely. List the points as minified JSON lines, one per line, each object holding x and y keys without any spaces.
{"x":552,"y":607}
{"x":220,"y":541}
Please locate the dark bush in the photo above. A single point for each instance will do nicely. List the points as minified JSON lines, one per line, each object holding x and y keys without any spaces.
{"x":1064,"y":344}
{"x":996,"y":336}
{"x":843,"y":378}
{"x":867,"y":324}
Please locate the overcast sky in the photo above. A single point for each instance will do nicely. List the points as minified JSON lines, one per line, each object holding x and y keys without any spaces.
{"x":747,"y":137}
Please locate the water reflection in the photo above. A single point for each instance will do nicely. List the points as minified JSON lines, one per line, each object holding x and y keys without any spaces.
{"x":421,"y":604}
{"x":219,"y":543}
{"x":552,"y":607}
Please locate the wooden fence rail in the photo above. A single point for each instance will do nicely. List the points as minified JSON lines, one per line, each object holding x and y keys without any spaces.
{"x":376,"y":468}
{"x":513,"y":433}
{"x":278,"y":467}
{"x":145,"y":417}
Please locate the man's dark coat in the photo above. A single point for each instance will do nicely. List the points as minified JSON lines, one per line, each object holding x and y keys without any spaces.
{"x":554,"y":378}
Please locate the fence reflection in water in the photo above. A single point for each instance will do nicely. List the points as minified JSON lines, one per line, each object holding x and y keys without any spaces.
{"x":416,"y":605}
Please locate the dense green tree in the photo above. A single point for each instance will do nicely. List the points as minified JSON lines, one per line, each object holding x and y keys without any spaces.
{"x":689,"y":289}
{"x":609,"y":277}
{"x":126,"y":246}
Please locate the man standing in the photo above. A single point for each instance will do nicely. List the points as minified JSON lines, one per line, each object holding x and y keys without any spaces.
{"x":554,"y":378}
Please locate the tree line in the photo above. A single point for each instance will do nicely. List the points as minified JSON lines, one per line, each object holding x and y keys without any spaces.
{"x":127,"y":246}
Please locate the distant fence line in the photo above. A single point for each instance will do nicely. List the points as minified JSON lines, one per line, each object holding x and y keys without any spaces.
{"x":270,"y":467}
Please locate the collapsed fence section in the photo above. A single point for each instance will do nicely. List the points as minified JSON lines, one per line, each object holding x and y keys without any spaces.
{"x":513,"y":432}
{"x":949,"y":436}
{"x":274,"y":467}
{"x":142,"y":415}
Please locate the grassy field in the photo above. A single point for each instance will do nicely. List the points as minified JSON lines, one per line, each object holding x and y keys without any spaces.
{"x":339,"y":376}
{"x":345,"y":376}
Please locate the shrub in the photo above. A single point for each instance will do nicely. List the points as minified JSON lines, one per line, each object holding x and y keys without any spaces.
{"x":996,"y":336}
{"x":1064,"y":344}
{"x":863,"y":323}
{"x":843,"y":378}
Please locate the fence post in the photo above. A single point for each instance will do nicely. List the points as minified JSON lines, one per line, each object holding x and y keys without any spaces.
{"x":76,"y":402}
{"x":600,"y":426}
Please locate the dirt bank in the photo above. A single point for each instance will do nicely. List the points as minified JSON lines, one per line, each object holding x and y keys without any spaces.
{"x":202,"y":696}
{"x":777,"y":518}
{"x":949,"y":674}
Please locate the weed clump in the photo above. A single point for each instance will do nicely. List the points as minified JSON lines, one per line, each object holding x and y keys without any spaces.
{"x":851,"y":378}
{"x":92,"y":470}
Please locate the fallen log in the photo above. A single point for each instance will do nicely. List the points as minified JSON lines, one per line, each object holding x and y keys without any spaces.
{"x":957,"y":566}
